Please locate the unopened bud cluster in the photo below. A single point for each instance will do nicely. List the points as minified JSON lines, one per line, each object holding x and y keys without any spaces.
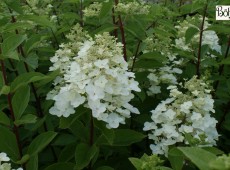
{"x":132,"y":8}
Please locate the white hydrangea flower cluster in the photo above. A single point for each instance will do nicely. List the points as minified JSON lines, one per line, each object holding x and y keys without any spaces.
{"x":185,"y":113}
{"x":132,"y":8}
{"x":62,"y":57}
{"x":93,"y":10}
{"x":166,"y":74}
{"x":95,"y":73}
{"x":6,"y":166}
{"x":209,"y":37}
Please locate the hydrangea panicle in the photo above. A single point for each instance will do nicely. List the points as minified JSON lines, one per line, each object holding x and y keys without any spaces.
{"x":93,"y":73}
{"x":6,"y":166}
{"x":93,"y":10}
{"x":166,"y":74}
{"x":209,"y":38}
{"x":186,"y":113}
{"x":132,"y":8}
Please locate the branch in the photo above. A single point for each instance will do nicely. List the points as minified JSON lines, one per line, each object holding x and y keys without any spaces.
{"x":121,"y":27}
{"x":81,"y":13}
{"x":114,"y":23}
{"x":200,"y":43}
{"x":21,"y":51}
{"x":136,"y":53}
{"x":37,"y":99}
{"x":122,"y":37}
{"x":15,"y":128}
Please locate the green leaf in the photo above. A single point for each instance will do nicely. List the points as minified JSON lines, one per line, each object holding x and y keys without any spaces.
{"x":120,"y":137}
{"x":61,"y":166}
{"x":190,"y":138}
{"x":226,"y":124}
{"x":40,"y":142}
{"x":168,"y":25}
{"x":223,"y":2}
{"x":71,"y":16}
{"x":126,"y":137}
{"x":223,"y":29}
{"x":148,"y":64}
{"x":16,"y":26}
{"x":141,"y":95}
{"x":32,"y":42}
{"x":154,"y":55}
{"x":105,"y":28}
{"x":5,"y":90}
{"x":11,"y":43}
{"x":3,"y":106}
{"x":40,"y":20}
{"x":71,"y":1}
{"x":185,"y":9}
{"x":131,"y":31}
{"x":32,"y":163}
{"x":3,"y":22}
{"x":8,"y":143}
{"x":198,"y":5}
{"x":198,"y":156}
{"x":48,"y":78}
{"x":106,"y":9}
{"x":107,"y":133}
{"x":64,"y":139}
{"x":32,"y":60}
{"x":39,"y":123}
{"x":213,"y":150}
{"x":228,"y":84}
{"x":20,"y":101}
{"x":176,"y":158}
{"x":67,"y":153}
{"x":24,"y":159}
{"x":4,"y":119}
{"x":190,"y":33}
{"x":210,"y":62}
{"x":135,"y":28}
{"x":105,"y":168}
{"x":204,"y":50}
{"x":83,"y":133}
{"x":66,"y":122}
{"x":164,"y":168}
{"x":185,"y":54}
{"x":84,"y":154}
{"x":137,"y":163}
{"x":25,"y":79}
{"x":25,"y":119}
{"x":1,"y":80}
{"x":162,"y":33}
{"x":10,"y":55}
{"x":15,"y":5}
{"x":226,"y":61}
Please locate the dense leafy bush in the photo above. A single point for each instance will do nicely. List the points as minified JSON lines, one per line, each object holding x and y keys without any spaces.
{"x":114,"y":85}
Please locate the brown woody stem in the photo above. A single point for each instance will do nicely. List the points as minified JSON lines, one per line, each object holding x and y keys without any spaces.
{"x":200,"y":43}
